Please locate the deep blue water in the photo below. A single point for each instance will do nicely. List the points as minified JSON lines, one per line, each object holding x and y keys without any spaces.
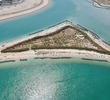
{"x":56,"y":79}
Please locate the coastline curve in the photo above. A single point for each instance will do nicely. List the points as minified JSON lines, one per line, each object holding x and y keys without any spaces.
{"x":36,"y":7}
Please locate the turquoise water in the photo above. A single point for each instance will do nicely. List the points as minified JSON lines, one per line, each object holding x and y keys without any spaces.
{"x":56,"y":79}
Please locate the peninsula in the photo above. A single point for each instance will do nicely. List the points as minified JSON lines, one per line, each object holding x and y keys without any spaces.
{"x":62,"y":40}
{"x":21,"y":8}
{"x":102,"y":3}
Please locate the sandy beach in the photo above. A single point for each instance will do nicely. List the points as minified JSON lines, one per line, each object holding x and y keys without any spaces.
{"x":28,"y":6}
{"x":54,"y":53}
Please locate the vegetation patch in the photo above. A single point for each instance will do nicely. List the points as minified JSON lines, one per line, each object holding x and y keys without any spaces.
{"x":65,"y":38}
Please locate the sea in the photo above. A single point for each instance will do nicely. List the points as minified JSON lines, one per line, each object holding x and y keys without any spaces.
{"x":56,"y":79}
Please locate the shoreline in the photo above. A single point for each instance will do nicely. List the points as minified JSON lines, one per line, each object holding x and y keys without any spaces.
{"x":41,"y":5}
{"x":53,"y":53}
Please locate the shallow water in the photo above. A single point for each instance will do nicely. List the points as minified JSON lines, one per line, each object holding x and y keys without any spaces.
{"x":55,"y":80}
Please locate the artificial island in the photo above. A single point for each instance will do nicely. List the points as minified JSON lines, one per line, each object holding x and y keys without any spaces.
{"x":62,"y":40}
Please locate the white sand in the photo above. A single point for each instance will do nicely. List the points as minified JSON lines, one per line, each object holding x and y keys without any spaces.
{"x":28,"y":6}
{"x":53,"y":53}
